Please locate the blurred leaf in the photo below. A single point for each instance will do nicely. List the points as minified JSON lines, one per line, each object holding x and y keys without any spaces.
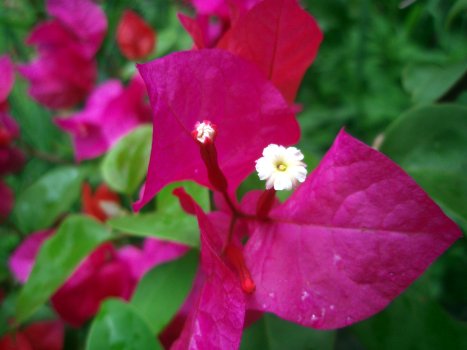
{"x":412,"y":322}
{"x":430,"y":144}
{"x":8,"y":241}
{"x":118,"y":327}
{"x":168,"y":227}
{"x":170,"y":222}
{"x":458,"y":8}
{"x":53,"y":194}
{"x":427,"y":84}
{"x":124,"y":167}
{"x":35,"y":122}
{"x":273,"y":333}
{"x":168,"y":203}
{"x":162,"y":291}
{"x":58,"y":257}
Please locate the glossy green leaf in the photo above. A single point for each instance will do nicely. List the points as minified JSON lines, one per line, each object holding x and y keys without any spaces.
{"x":427,"y":84}
{"x":162,"y":291}
{"x":58,"y":257}
{"x":118,"y":327}
{"x":169,"y":222}
{"x":430,"y":144}
{"x":45,"y":200}
{"x":273,"y":333}
{"x":412,"y":322}
{"x":124,"y":167}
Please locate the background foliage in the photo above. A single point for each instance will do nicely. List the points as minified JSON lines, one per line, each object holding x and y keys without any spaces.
{"x":393,"y":73}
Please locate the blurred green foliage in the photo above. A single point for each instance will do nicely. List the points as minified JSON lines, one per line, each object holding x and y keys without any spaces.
{"x":393,"y":73}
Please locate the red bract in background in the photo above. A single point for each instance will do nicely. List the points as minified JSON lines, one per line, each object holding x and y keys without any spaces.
{"x":136,"y":39}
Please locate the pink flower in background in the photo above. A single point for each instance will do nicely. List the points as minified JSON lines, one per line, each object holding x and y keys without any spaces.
{"x":154,"y":252}
{"x":100,"y":276}
{"x":23,"y":258}
{"x":40,"y":335}
{"x":111,"y":111}
{"x":65,"y":71}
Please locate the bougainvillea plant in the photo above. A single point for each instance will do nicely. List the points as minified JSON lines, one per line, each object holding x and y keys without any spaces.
{"x":351,"y":238}
{"x":182,"y":202}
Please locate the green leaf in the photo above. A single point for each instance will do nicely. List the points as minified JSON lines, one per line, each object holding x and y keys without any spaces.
{"x":412,"y":322}
{"x":118,"y":327}
{"x":162,"y":291}
{"x":37,"y":128}
{"x":124,"y":167}
{"x":168,"y":203}
{"x":170,"y":222}
{"x":52,"y":195}
{"x":273,"y":333}
{"x":168,"y":227}
{"x":429,"y":83}
{"x":58,"y":257}
{"x":430,"y":144}
{"x":457,"y":9}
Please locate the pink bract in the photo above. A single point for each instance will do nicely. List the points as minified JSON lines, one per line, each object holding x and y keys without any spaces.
{"x":111,"y":111}
{"x":65,"y":71}
{"x":84,"y":19}
{"x":100,"y":276}
{"x":61,"y":78}
{"x":348,"y":241}
{"x":278,"y":36}
{"x":23,"y":258}
{"x":188,"y":87}
{"x":154,"y":252}
{"x":216,"y":318}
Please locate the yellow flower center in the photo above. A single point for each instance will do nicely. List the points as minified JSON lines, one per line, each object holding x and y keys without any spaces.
{"x":281,"y":167}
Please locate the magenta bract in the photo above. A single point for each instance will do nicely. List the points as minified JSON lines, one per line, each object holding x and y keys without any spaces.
{"x":23,"y":258}
{"x":100,"y":276}
{"x":348,"y":241}
{"x":216,"y":318}
{"x":153,"y":253}
{"x":84,"y":19}
{"x":188,"y":87}
{"x":65,"y":71}
{"x":111,"y":111}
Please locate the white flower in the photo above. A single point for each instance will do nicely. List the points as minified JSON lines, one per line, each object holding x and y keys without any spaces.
{"x":204,"y":131}
{"x":281,"y":167}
